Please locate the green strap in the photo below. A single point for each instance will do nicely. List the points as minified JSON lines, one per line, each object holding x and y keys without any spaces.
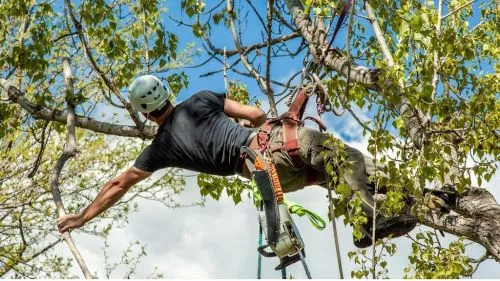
{"x":314,"y":218}
{"x":293,"y":207}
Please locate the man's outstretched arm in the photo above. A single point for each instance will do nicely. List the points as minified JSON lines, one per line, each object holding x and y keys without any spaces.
{"x":107,"y":197}
{"x":255,"y":115}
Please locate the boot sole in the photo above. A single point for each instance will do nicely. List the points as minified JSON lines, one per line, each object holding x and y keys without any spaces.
{"x":397,"y":227}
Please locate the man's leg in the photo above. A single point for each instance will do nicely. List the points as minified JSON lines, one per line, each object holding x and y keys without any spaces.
{"x":349,"y":163}
{"x":351,"y":166}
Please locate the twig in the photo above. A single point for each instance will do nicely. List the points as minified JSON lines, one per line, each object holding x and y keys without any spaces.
{"x":250,"y":48}
{"x":260,"y":81}
{"x":478,"y":261}
{"x":257,"y":13}
{"x":43,"y":143}
{"x":456,"y":10}
{"x":226,"y":84}
{"x":270,"y":5}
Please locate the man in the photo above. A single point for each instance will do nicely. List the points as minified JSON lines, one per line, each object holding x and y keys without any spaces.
{"x":199,"y":135}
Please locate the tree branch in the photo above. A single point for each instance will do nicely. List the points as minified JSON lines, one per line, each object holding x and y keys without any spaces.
{"x":36,"y":111}
{"x":456,"y":10}
{"x":69,"y":151}
{"x":260,"y":81}
{"x":270,"y":5}
{"x":416,"y":120}
{"x":333,"y":60}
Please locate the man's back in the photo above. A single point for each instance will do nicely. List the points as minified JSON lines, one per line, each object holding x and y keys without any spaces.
{"x":197,"y":136}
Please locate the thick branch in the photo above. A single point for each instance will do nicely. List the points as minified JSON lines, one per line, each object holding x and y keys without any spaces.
{"x":416,"y":120}
{"x":477,"y":219}
{"x":333,"y":60}
{"x":69,"y":151}
{"x":36,"y":111}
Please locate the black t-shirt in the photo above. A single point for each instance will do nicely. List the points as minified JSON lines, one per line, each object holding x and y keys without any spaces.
{"x":197,"y":136}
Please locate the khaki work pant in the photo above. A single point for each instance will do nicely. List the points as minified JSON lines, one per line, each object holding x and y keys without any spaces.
{"x":312,"y":150}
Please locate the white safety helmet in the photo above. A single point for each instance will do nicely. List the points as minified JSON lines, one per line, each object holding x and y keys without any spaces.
{"x":147,"y":93}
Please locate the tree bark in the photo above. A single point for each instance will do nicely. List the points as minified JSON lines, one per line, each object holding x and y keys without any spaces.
{"x":475,"y":217}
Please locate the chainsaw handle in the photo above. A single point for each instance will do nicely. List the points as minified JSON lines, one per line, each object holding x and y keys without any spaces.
{"x":264,"y":252}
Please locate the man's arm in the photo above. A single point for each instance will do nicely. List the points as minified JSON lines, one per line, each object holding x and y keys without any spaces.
{"x":255,"y":115}
{"x":107,"y":197}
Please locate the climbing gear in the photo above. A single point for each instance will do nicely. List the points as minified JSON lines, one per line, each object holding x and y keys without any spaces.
{"x":395,"y":227}
{"x":290,"y":121}
{"x":147,"y":93}
{"x":278,"y":227}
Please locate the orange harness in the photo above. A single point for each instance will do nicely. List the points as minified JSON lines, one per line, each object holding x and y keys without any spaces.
{"x":290,"y":121}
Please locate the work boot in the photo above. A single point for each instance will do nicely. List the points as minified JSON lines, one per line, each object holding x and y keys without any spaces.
{"x":397,"y":226}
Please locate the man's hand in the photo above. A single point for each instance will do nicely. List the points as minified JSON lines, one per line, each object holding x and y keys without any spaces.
{"x":109,"y":195}
{"x":69,"y":222}
{"x":246,"y":123}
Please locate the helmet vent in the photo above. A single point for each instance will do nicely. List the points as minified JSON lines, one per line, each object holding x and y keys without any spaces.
{"x":143,"y":96}
{"x":149,"y":93}
{"x":145,"y":106}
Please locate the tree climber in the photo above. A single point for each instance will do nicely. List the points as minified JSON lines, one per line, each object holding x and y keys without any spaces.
{"x":199,"y":135}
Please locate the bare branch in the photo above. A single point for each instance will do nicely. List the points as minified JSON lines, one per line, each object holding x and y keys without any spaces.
{"x":257,"y":13}
{"x":456,"y":10}
{"x":16,"y":96}
{"x":260,"y":81}
{"x":247,"y":49}
{"x":270,"y":4}
{"x":69,"y":151}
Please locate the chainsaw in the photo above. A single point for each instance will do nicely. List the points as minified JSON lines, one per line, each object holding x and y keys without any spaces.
{"x":280,"y":231}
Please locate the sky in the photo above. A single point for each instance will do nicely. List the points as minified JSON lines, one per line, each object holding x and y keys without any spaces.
{"x":220,"y":239}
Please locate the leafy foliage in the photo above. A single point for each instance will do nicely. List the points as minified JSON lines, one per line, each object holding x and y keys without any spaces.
{"x":430,"y":260}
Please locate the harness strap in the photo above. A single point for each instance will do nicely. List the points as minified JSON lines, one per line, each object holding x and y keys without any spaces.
{"x":298,"y":106}
{"x":290,"y":121}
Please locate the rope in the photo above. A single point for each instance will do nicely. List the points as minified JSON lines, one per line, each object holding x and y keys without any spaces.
{"x":335,"y":236}
{"x":259,"y":256}
{"x":314,"y":218}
